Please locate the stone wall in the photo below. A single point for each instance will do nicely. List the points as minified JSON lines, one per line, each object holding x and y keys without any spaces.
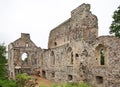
{"x":75,"y":53}
{"x":81,"y":25}
{"x":15,"y":52}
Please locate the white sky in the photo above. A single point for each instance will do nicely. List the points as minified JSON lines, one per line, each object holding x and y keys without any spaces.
{"x":38,"y":17}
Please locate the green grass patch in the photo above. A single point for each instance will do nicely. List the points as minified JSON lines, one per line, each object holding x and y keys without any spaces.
{"x":82,"y":84}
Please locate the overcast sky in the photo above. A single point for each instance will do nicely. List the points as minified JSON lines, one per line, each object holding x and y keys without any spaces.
{"x":38,"y":17}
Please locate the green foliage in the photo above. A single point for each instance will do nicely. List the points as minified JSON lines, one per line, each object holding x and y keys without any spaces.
{"x":3,"y":61}
{"x":22,"y":79}
{"x":115,"y":26}
{"x":8,"y":83}
{"x":26,"y":60}
{"x":42,"y":86}
{"x":82,"y":84}
{"x":4,"y":82}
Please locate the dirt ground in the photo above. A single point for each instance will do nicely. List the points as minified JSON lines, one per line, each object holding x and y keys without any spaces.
{"x":42,"y":81}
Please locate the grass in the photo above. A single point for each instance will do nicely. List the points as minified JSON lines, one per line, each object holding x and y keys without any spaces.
{"x":82,"y":84}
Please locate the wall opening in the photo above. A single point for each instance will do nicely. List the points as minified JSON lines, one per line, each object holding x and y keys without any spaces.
{"x":102,"y":57}
{"x":70,"y":77}
{"x":52,"y":74}
{"x":43,"y":74}
{"x":26,"y":45}
{"x":42,"y":59}
{"x":72,"y":58}
{"x":76,"y":55}
{"x":55,"y":43}
{"x":52,"y":58}
{"x":24,"y":57}
{"x":99,"y":79}
{"x":17,"y":71}
{"x":70,"y":55}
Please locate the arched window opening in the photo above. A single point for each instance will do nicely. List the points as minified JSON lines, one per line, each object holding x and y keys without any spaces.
{"x":102,"y":57}
{"x":70,"y":55}
{"x":101,"y":54}
{"x":24,"y":57}
{"x":52,"y":58}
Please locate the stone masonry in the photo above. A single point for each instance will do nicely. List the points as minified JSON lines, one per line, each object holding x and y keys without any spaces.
{"x":75,"y":53}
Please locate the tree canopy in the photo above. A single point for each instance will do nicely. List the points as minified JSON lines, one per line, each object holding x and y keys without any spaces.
{"x":3,"y":61}
{"x":115,"y":26}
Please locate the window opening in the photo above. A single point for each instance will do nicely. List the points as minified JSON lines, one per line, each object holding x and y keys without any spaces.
{"x":41,"y":59}
{"x":70,"y":77}
{"x":52,"y":58}
{"x":44,"y":74}
{"x":53,"y":74}
{"x":76,"y":55}
{"x":26,"y":45}
{"x":99,"y":79}
{"x":24,"y":57}
{"x":102,"y":57}
{"x":55,"y":43}
{"x":72,"y":58}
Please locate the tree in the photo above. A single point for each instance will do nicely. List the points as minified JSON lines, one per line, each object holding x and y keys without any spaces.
{"x":4,"y":82}
{"x":115,"y":26}
{"x":3,"y":61}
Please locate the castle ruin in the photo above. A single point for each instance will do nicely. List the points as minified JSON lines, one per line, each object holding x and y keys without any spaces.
{"x":75,"y":53}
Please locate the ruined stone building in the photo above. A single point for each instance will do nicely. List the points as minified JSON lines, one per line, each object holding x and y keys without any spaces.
{"x":75,"y":53}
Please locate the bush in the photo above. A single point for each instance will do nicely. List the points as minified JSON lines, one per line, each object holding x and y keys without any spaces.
{"x":7,"y":83}
{"x":22,"y":79}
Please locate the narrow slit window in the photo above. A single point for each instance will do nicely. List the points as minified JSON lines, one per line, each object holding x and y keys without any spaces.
{"x":102,"y":57}
{"x":72,"y":58}
{"x":52,"y":58}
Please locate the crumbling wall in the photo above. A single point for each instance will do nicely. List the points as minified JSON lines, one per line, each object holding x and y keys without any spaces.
{"x":59,"y":35}
{"x":75,"y":53}
{"x":81,"y":26}
{"x":15,"y":52}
